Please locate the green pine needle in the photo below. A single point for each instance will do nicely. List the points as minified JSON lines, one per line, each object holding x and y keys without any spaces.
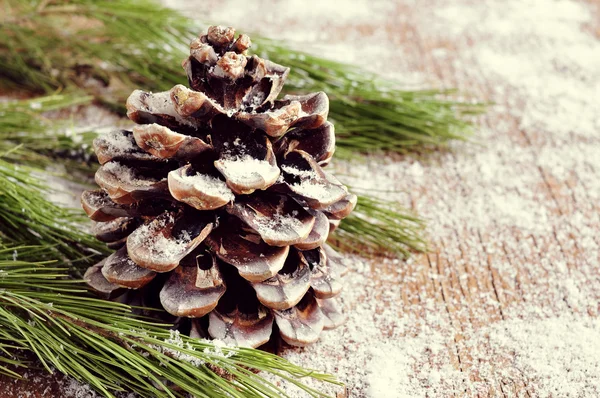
{"x":101,"y":343}
{"x":47,"y":45}
{"x":109,"y":48}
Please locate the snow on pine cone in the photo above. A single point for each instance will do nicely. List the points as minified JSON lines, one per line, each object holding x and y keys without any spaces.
{"x":217,"y":202}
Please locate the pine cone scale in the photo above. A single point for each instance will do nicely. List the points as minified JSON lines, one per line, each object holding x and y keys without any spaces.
{"x":319,"y":143}
{"x":201,"y":191}
{"x":255,"y":260}
{"x":287,"y":288}
{"x":165,"y":143}
{"x":93,"y":276}
{"x":279,"y":220}
{"x":332,"y":314}
{"x":127,"y":185}
{"x":157,"y":246}
{"x":193,"y":290}
{"x":301,"y":325}
{"x":245,"y":331}
{"x":121,"y":270}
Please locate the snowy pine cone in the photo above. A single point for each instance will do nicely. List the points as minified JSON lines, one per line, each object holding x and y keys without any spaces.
{"x":217,"y":202}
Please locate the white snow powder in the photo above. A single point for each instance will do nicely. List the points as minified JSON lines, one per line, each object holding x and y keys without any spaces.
{"x":209,"y":185}
{"x":272,"y":227}
{"x":127,"y":175}
{"x":119,"y":143}
{"x":245,"y":167}
{"x":157,"y":245}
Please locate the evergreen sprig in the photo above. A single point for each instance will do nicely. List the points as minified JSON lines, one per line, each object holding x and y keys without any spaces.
{"x":371,"y":113}
{"x":377,"y":225}
{"x":103,"y":344}
{"x":24,"y":123}
{"x":109,"y":48}
{"x":106,"y":47}
{"x":28,"y":218}
{"x":28,"y":136}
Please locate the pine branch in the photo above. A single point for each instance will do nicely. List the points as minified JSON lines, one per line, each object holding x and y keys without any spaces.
{"x":377,"y":225}
{"x":109,"y":48}
{"x":28,"y":137}
{"x":19,"y":116}
{"x":101,"y":343}
{"x":50,"y":45}
{"x":370,"y":113}
{"x":28,"y":218}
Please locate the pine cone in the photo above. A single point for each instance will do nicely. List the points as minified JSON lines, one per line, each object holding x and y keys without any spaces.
{"x":217,"y":201}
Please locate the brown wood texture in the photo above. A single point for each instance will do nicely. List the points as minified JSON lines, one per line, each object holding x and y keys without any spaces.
{"x":490,"y":265}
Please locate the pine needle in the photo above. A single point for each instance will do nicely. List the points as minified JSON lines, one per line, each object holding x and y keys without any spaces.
{"x":109,"y":48}
{"x":91,"y":44}
{"x":101,"y":343}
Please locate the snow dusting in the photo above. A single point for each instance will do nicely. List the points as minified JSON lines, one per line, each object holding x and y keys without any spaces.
{"x":181,"y":346}
{"x":209,"y":185}
{"x":127,"y":175}
{"x":272,"y":227}
{"x":151,"y":237}
{"x":310,"y":185}
{"x":245,"y":168}
{"x":119,"y":143}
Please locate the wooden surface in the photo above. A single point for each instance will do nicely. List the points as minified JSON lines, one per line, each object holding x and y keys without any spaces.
{"x":513,"y":220}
